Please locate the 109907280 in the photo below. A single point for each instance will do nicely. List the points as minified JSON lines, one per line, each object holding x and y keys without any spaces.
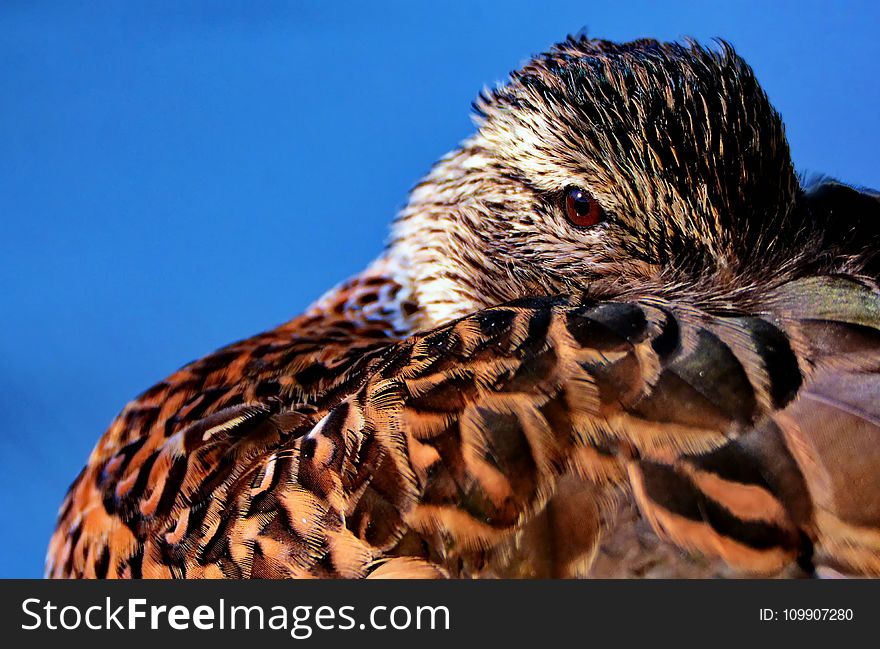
{"x":807,"y":615}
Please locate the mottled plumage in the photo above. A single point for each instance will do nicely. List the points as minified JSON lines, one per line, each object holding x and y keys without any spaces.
{"x":505,"y":394}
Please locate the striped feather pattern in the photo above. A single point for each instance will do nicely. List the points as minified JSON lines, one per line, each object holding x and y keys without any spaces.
{"x":501,"y":445}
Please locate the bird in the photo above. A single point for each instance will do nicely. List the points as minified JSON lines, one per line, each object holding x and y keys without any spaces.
{"x":613,"y":334}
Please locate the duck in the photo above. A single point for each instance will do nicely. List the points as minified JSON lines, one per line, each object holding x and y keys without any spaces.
{"x":613,"y":334}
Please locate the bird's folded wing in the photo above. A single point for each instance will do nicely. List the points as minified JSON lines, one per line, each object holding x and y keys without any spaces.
{"x":804,"y":481}
{"x":493,"y":444}
{"x":497,"y":414}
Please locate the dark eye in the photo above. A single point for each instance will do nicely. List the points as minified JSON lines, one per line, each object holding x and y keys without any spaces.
{"x":582,"y":209}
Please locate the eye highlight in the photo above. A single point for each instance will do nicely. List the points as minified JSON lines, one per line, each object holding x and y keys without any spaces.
{"x":581,"y":209}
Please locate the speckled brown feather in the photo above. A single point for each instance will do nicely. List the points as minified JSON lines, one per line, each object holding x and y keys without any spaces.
{"x":169,"y":452}
{"x":484,"y":448}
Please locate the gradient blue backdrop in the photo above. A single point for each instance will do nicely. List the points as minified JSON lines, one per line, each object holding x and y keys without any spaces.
{"x":174,"y":176}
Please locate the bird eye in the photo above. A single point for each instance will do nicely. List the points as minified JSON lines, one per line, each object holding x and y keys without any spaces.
{"x":582,"y":209}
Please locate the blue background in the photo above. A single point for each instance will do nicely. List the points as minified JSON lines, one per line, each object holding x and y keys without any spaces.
{"x":176,"y":177}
